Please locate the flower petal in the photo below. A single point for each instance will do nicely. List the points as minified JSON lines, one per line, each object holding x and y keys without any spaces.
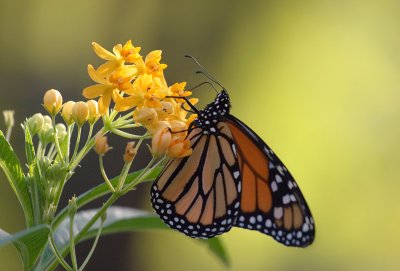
{"x":102,"y":53}
{"x":107,"y":68}
{"x":104,"y":102}
{"x":96,"y":76}
{"x":95,"y":91}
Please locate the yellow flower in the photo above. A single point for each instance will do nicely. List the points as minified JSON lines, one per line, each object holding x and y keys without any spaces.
{"x":177,"y":89}
{"x":119,"y":80}
{"x":151,"y":64}
{"x":181,"y":110}
{"x":130,"y":53}
{"x":161,"y":141}
{"x":120,"y":54}
{"x":145,"y":115}
{"x":144,"y":93}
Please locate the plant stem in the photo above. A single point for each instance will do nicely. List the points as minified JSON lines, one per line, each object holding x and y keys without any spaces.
{"x":93,"y":246}
{"x":103,"y":173}
{"x":78,"y":139}
{"x":57,"y":253}
{"x":56,"y":138}
{"x":72,"y":243}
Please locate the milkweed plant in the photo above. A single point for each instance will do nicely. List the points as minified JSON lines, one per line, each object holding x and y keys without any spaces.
{"x":130,"y":91}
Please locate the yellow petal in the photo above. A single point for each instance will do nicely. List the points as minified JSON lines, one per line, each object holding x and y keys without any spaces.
{"x":104,"y":102}
{"x":95,"y":91}
{"x":102,"y":53}
{"x":95,"y":75}
{"x":117,"y":50}
{"x":107,"y":68}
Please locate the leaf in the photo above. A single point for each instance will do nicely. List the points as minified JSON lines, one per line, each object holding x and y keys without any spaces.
{"x":101,"y":190}
{"x":217,"y":247}
{"x":29,"y":149}
{"x":29,"y":243}
{"x":119,"y":219}
{"x":11,"y":166}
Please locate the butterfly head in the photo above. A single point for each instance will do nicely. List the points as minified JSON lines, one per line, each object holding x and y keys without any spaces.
{"x":214,"y":112}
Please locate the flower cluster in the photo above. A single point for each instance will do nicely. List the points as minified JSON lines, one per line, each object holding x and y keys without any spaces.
{"x":138,"y":84}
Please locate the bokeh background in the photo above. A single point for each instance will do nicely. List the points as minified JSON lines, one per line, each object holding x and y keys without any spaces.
{"x":318,"y":80}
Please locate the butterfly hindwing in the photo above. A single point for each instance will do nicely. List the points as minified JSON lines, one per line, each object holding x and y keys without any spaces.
{"x":197,"y":195}
{"x":271,"y":201}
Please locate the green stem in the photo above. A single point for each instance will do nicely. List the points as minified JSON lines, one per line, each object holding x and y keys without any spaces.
{"x":59,"y":257}
{"x":93,"y":246}
{"x":90,"y":134}
{"x":78,"y":139}
{"x":85,"y":149}
{"x":106,"y":205}
{"x":36,"y":200}
{"x":125,"y":134}
{"x":56,"y":138}
{"x":72,"y":243}
{"x":103,"y":173}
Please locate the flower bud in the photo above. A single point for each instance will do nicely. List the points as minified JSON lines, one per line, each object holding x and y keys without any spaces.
{"x":130,"y":152}
{"x":61,"y":131}
{"x":179,"y":148}
{"x":160,"y":141}
{"x":145,"y":115}
{"x":101,"y":145}
{"x":165,"y":110}
{"x":155,"y":126}
{"x":67,"y":112}
{"x":47,"y":120}
{"x":8,"y":118}
{"x":94,"y":114}
{"x":46,"y":134}
{"x":35,"y":123}
{"x":80,"y":113}
{"x":52,"y":101}
{"x":72,"y":207}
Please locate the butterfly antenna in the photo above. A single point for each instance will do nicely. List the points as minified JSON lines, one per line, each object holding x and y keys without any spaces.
{"x":209,"y":83}
{"x":204,"y":71}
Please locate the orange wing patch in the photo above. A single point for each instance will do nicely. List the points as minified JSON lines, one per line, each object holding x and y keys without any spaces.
{"x":256,"y":194}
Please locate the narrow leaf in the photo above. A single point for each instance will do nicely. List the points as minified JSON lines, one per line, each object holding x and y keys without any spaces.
{"x":29,"y":243}
{"x":29,"y":149}
{"x":11,"y":166}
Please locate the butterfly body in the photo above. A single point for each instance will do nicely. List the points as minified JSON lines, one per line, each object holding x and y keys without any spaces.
{"x":231,"y":179}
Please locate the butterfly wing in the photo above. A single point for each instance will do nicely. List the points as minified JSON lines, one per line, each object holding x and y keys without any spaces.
{"x":270,"y":200}
{"x":198,"y":194}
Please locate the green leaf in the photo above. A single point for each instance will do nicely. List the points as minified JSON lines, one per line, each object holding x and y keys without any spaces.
{"x":119,"y":219}
{"x":29,"y":243}
{"x":11,"y":166}
{"x":216,"y":246}
{"x":29,"y":149}
{"x":102,"y":189}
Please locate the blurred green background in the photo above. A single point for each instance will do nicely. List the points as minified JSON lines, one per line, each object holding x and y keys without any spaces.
{"x":318,"y":80}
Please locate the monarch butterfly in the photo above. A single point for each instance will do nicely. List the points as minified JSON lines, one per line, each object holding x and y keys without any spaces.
{"x":232,"y":178}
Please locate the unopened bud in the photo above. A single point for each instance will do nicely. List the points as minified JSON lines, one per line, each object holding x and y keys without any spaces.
{"x":80,"y":113}
{"x":35,"y":123}
{"x":8,"y":118}
{"x":61,"y":131}
{"x":130,"y":152}
{"x":72,"y":207}
{"x":52,"y":101}
{"x":46,"y":134}
{"x":67,"y":112}
{"x":94,"y":114}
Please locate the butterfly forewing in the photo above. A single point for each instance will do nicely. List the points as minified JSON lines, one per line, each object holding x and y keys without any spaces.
{"x":198,"y":195}
{"x":270,"y":201}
